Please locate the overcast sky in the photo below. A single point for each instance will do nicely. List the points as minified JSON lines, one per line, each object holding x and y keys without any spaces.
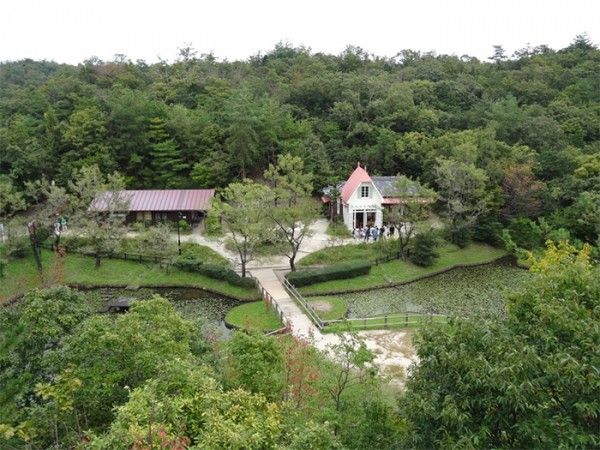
{"x":74,"y":30}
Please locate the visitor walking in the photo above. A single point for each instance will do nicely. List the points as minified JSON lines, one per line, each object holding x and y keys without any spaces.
{"x":375,"y":233}
{"x":392,"y":230}
{"x":367,"y":234}
{"x":382,"y":232}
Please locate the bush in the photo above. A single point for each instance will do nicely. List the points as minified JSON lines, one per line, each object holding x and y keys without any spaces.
{"x":216,"y":272}
{"x":16,"y":247}
{"x":338,"y":229}
{"x":526,"y":233}
{"x":212,"y":225}
{"x":336,"y":272}
{"x":3,"y":264}
{"x":423,"y":251}
{"x":201,"y":254}
{"x":460,"y":236}
{"x":184,"y":226}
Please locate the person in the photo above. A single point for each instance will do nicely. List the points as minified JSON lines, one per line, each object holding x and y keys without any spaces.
{"x":392,"y":230}
{"x":375,"y":233}
{"x":2,"y":237}
{"x":382,"y":232}
{"x":356,"y":233}
{"x":367,"y":233}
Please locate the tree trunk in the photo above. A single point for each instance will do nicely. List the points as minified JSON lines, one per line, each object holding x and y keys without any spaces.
{"x":97,"y":260}
{"x":243,"y":269}
{"x":293,"y":263}
{"x":36,"y":253}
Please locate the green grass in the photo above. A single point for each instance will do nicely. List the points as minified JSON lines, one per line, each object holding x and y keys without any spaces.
{"x":254,"y":316}
{"x":338,"y":230}
{"x":397,"y":271}
{"x":22,"y":276}
{"x":342,"y":253}
{"x":338,"y":307}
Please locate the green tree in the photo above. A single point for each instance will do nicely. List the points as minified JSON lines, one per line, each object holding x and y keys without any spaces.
{"x":462,"y":190}
{"x":414,"y":207}
{"x":241,"y":209}
{"x":293,"y":209}
{"x":98,"y":206}
{"x":526,"y":382}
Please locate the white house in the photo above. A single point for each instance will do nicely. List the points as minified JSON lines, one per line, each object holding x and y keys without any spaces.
{"x":361,"y":199}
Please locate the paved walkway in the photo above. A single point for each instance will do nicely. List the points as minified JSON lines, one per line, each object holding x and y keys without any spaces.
{"x":392,"y":349}
{"x":299,"y":322}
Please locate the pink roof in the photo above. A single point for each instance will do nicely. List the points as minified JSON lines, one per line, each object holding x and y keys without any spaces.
{"x":164,"y":200}
{"x":358,"y":177}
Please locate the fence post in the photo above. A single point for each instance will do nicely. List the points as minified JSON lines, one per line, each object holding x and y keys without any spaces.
{"x":385,"y":322}
{"x":365,"y":323}
{"x":406,"y":320}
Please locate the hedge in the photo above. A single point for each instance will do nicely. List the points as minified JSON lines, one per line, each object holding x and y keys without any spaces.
{"x":214,"y":271}
{"x":335,"y":272}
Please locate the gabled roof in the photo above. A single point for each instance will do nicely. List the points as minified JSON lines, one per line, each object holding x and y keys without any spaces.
{"x":358,"y":177}
{"x":387,"y":186}
{"x":162,"y":200}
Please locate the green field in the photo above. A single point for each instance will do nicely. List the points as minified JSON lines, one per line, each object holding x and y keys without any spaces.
{"x":22,"y":276}
{"x":397,"y":271}
{"x":253,"y":316}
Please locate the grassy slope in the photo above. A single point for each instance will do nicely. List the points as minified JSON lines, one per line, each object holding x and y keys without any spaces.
{"x":399,"y":271}
{"x":22,"y":276}
{"x":255,"y":315}
{"x":339,"y":308}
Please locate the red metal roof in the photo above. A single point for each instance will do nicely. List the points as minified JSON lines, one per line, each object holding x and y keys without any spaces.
{"x":164,"y":200}
{"x":358,"y":177}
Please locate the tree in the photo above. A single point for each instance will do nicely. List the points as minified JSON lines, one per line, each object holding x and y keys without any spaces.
{"x":241,"y":209}
{"x":461,"y":187}
{"x":293,"y":209}
{"x":415,"y":201}
{"x":157,"y":242}
{"x":521,"y":192}
{"x":424,"y":251}
{"x":11,"y":200}
{"x":99,"y":207}
{"x":527,"y":382}
{"x":499,"y":54}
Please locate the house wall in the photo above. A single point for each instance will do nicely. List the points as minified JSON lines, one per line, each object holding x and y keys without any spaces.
{"x":357,"y":203}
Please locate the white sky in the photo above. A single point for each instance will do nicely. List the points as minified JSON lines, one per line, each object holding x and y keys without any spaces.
{"x":73,"y":30}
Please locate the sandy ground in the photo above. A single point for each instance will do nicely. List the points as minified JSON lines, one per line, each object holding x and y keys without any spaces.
{"x":394,"y":353}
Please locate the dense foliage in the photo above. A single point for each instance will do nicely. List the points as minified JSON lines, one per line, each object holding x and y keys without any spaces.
{"x":340,"y":271}
{"x":523,"y":132}
{"x":531,"y":381}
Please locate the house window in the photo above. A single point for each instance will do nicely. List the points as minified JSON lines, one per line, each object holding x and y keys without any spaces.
{"x":364,"y":191}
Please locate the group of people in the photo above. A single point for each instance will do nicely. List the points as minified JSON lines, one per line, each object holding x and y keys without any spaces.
{"x":374,"y":233}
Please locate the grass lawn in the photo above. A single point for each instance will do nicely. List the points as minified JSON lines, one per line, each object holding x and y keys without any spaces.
{"x":342,"y":253}
{"x":329,"y":308}
{"x":399,"y":271}
{"x":22,"y":276}
{"x":254,"y":316}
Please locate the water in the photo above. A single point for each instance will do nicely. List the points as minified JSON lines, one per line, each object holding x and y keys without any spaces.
{"x":193,"y":304}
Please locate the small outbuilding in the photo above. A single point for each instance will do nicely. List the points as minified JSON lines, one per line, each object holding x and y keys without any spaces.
{"x":154,"y":205}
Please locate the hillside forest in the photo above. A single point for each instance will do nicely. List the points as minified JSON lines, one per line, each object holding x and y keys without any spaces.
{"x":521,"y":131}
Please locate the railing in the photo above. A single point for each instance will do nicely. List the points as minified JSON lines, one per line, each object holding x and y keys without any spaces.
{"x":310,"y":312}
{"x":137,"y":257}
{"x":397,"y":320}
{"x":268,"y":298}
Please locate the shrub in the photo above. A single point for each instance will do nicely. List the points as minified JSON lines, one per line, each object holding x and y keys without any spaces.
{"x":526,"y":233}
{"x":201,"y":254}
{"x":336,"y":272}
{"x":3,"y":264}
{"x":212,"y":225}
{"x":423,"y":251}
{"x":16,"y":246}
{"x":184,"y":226}
{"x":338,"y":229}
{"x":214,"y":271}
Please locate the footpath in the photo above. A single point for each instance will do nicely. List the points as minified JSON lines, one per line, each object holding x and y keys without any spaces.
{"x":301,"y":326}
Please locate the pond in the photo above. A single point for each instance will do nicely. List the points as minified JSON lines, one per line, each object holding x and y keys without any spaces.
{"x":193,"y":304}
{"x":473,"y":291}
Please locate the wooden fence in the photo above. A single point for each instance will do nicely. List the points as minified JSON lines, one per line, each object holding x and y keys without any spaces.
{"x":388,"y":321}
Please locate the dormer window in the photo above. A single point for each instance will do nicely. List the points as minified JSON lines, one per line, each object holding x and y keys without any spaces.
{"x":364,"y":191}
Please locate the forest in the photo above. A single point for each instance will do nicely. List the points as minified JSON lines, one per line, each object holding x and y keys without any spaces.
{"x":524,"y":128}
{"x":509,"y":146}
